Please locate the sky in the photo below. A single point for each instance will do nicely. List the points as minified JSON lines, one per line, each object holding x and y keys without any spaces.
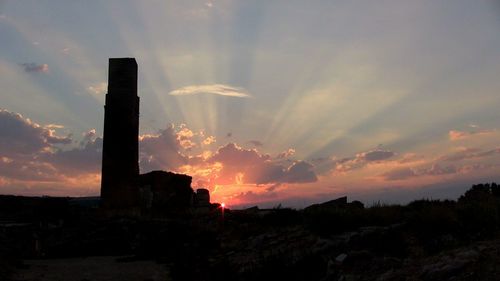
{"x":262,"y":102}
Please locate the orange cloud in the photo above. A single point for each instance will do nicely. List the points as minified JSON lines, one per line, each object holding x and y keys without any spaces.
{"x":209,"y":140}
{"x":459,"y":135}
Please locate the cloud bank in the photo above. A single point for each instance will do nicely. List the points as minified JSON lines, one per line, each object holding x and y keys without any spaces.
{"x":32,"y":155}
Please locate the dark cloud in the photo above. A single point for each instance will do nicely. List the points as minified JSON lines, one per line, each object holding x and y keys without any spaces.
{"x":31,"y":152}
{"x":84,"y":159}
{"x":300,"y":172}
{"x":323,"y":165}
{"x":161,"y":151}
{"x":21,"y":136}
{"x":255,"y":143}
{"x":233,"y":155}
{"x":36,"y":68}
{"x":53,"y":139}
{"x":377,"y":155}
{"x":362,"y":159}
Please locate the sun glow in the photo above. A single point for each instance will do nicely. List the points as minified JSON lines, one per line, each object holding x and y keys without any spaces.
{"x":203,"y":65}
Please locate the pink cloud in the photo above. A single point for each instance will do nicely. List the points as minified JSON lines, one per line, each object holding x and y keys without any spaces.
{"x":257,"y":168}
{"x":459,"y":135}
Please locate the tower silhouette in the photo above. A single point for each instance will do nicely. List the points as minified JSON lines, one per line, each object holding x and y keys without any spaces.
{"x":120,"y":154}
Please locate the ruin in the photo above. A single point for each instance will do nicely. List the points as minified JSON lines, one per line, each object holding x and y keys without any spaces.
{"x":165,"y":191}
{"x":120,"y":153}
{"x":122,"y":187}
{"x":202,"y":197}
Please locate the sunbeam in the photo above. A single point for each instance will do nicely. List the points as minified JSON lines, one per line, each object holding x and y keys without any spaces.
{"x":264,"y":101}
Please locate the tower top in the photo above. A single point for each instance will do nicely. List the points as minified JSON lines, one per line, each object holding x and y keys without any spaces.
{"x":122,"y":76}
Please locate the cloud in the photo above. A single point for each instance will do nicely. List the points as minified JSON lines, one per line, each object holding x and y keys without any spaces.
{"x":255,"y":143}
{"x":36,"y":68}
{"x":469,"y":153}
{"x":98,"y":88}
{"x":32,"y":155}
{"x":434,"y":170}
{"x":437,"y":170}
{"x":254,"y":197}
{"x":52,"y":138}
{"x":399,"y":174}
{"x":83,"y":159}
{"x":29,"y":151}
{"x":251,"y":167}
{"x":287,"y":153}
{"x":214,"y":89}
{"x":185,"y":137}
{"x":376,"y":155}
{"x":161,"y":150}
{"x":21,"y":136}
{"x":300,"y":172}
{"x":362,"y":159}
{"x":459,"y":135}
{"x":236,"y":156}
{"x":87,"y":136}
{"x":27,"y":170}
{"x":209,"y":140}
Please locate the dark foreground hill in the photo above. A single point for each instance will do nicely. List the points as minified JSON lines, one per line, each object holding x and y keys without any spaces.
{"x":60,"y":239}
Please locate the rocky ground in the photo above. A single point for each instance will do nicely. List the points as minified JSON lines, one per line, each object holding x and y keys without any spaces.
{"x":47,"y":239}
{"x":92,"y":269}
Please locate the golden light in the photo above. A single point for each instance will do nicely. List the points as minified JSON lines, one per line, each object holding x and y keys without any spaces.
{"x":222,"y":205}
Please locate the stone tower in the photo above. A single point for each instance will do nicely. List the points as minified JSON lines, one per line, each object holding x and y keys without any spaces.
{"x":120,"y":153}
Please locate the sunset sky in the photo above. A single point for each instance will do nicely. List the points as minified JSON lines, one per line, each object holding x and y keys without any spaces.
{"x":262,"y":102}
